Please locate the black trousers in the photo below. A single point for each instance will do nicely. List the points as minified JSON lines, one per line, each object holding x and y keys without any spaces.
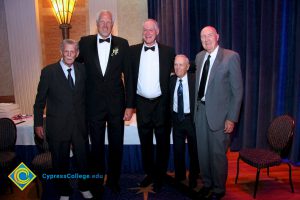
{"x":115,"y":133}
{"x":60,"y":152}
{"x":183,"y":130}
{"x":153,"y":118}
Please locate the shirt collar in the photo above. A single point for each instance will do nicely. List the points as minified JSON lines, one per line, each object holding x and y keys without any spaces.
{"x":100,"y":37}
{"x":184,"y":78}
{"x":213,"y":54}
{"x":64,"y":66}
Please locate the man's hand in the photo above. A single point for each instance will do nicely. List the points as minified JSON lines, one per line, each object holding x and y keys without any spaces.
{"x":39,"y":131}
{"x":128,"y":114}
{"x":229,"y":126}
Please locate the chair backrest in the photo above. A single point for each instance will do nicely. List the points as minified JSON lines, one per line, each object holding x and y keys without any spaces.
{"x":8,"y":134}
{"x":280,"y":133}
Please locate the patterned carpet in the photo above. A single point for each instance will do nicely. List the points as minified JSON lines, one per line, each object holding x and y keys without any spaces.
{"x":130,"y":190}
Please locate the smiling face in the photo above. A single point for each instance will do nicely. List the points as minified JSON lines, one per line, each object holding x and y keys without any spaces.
{"x":181,"y":65}
{"x":105,"y":24}
{"x":69,"y":53}
{"x":209,"y":38}
{"x":150,"y":32}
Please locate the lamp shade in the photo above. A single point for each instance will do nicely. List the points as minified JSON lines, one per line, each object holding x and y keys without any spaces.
{"x":63,"y":10}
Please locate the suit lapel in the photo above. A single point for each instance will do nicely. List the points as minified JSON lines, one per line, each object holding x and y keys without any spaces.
{"x":198,"y":73}
{"x":61,"y":75}
{"x":214,"y":67}
{"x":95,"y":54}
{"x":138,"y":53}
{"x":77,"y":76}
{"x":173,"y":84}
{"x":161,"y":56}
{"x":113,"y":45}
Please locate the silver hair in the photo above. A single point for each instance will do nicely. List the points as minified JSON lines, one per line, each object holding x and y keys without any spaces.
{"x":69,"y":41}
{"x":183,"y":56}
{"x":104,"y":11}
{"x":156,"y":26}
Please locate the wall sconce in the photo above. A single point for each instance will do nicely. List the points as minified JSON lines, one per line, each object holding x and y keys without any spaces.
{"x":63,"y":10}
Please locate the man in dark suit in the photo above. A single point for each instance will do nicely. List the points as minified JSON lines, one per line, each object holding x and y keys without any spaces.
{"x":219,"y":96}
{"x":62,"y":90}
{"x":106,"y":59}
{"x":152,"y":64}
{"x":182,"y":95}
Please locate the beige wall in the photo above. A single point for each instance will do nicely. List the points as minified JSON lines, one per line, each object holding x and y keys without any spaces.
{"x":131,"y":15}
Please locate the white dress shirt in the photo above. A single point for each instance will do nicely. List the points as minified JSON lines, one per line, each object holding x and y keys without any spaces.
{"x":213,"y":56}
{"x":186,"y":95}
{"x":65,"y":69}
{"x":148,"y":84}
{"x":103,"y":53}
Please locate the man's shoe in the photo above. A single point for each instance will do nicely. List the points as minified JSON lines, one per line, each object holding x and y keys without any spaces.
{"x":64,"y":198}
{"x":204,"y":192}
{"x":146,"y":181}
{"x":217,"y":196}
{"x":86,"y":194}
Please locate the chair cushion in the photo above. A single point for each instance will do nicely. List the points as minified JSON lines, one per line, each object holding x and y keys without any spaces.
{"x":260,"y":158}
{"x":42,"y":161}
{"x":6,"y":158}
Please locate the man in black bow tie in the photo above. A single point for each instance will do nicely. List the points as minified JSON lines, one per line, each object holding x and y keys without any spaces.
{"x":109,"y":103}
{"x":152,"y":64}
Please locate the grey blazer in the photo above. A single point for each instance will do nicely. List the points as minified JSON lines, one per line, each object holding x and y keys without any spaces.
{"x":224,"y":91}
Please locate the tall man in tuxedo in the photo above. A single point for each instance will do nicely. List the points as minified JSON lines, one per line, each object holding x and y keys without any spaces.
{"x":152,"y":64}
{"x":106,"y":59}
{"x":218,"y":100}
{"x":62,"y":90}
{"x":182,"y":95}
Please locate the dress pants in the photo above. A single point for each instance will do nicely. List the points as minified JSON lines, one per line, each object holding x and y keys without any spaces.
{"x":60,"y":152}
{"x":115,"y":133}
{"x":212,"y":147}
{"x":183,"y":130}
{"x":152,"y":117}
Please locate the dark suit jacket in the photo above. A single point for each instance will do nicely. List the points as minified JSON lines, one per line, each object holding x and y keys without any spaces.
{"x":106,"y":91}
{"x":65,"y":108}
{"x":191,"y":83}
{"x":166,"y":62}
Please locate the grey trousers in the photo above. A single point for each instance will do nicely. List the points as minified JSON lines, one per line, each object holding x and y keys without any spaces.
{"x":212,"y":147}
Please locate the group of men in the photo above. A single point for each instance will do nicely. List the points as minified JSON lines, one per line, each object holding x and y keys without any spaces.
{"x":100,"y":81}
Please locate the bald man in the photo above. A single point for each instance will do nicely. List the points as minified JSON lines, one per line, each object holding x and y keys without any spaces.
{"x":182,"y":96}
{"x":218,"y":101}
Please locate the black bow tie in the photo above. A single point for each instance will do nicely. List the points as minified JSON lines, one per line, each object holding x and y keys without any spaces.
{"x":147,"y":48}
{"x":104,"y":40}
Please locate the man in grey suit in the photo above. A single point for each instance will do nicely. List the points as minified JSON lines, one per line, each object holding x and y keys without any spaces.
{"x":218,"y":101}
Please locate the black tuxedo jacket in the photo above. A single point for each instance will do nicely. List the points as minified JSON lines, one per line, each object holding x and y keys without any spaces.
{"x":191,"y":83}
{"x":166,"y":62}
{"x":65,"y":108}
{"x":107,"y":91}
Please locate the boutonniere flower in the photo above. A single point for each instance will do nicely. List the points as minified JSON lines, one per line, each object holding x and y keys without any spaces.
{"x":115,"y":51}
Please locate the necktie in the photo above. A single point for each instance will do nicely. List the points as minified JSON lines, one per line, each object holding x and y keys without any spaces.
{"x":203,"y":78}
{"x":180,"y":110}
{"x":70,"y":79}
{"x":151,"y":48}
{"x":104,"y":40}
